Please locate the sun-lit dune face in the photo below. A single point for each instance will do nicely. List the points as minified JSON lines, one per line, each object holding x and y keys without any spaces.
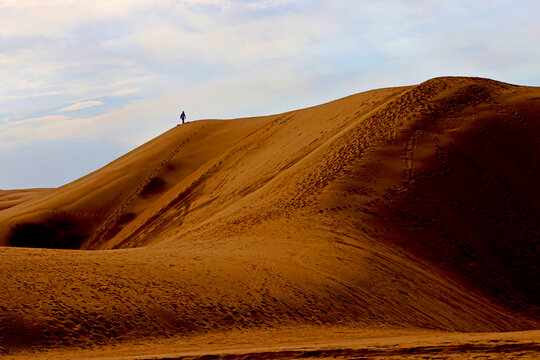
{"x":10,"y":198}
{"x":404,"y":208}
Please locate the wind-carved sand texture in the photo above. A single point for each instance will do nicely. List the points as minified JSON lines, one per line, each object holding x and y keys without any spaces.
{"x":408,"y":211}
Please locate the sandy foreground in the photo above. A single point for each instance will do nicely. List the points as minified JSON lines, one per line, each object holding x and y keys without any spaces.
{"x":318,"y":343}
{"x":394,"y":223}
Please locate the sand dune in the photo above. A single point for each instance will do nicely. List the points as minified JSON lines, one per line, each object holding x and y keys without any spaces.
{"x":316,"y":343}
{"x":401,"y":208}
{"x":10,"y":198}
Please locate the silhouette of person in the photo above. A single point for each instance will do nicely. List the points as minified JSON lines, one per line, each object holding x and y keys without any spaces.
{"x":183,"y":116}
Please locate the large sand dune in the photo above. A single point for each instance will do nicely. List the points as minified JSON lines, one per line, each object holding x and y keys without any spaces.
{"x":401,"y":208}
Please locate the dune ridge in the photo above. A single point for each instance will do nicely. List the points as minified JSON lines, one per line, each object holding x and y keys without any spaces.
{"x":402,"y":208}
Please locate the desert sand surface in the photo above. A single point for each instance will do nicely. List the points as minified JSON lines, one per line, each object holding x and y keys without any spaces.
{"x":315,"y":342}
{"x":9,"y":198}
{"x":398,"y":213}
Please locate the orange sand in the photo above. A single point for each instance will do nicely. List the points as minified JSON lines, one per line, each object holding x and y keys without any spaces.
{"x":400,"y":209}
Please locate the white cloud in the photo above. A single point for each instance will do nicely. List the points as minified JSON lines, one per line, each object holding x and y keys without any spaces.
{"x":23,"y":132}
{"x":41,"y":119}
{"x":265,"y":4}
{"x":50,"y":18}
{"x":125,"y":92}
{"x":81,"y":105}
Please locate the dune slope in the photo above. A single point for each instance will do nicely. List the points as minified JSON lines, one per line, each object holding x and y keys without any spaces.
{"x":411,"y":207}
{"x":10,"y":198}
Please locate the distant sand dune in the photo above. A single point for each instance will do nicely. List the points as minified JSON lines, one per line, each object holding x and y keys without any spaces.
{"x":10,"y":198}
{"x":401,"y":208}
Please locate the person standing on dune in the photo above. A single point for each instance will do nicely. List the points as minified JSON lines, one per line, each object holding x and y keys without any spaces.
{"x":182,"y":116}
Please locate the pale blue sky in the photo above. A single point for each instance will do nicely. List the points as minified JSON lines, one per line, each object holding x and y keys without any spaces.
{"x":82,"y":82}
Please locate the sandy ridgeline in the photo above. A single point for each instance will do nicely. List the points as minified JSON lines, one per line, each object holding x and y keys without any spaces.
{"x":396,"y":212}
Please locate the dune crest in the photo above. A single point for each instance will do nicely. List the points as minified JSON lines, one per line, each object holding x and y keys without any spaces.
{"x":410,"y":207}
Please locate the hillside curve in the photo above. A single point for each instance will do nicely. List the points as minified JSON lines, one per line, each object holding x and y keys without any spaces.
{"x":410,"y":207}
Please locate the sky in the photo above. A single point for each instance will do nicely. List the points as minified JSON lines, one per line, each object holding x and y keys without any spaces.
{"x":83,"y":82}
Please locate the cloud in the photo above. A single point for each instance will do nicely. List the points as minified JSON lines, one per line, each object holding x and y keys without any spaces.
{"x":125,"y":92}
{"x":42,"y":119}
{"x":81,"y":105}
{"x":27,"y":131}
{"x":265,"y":4}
